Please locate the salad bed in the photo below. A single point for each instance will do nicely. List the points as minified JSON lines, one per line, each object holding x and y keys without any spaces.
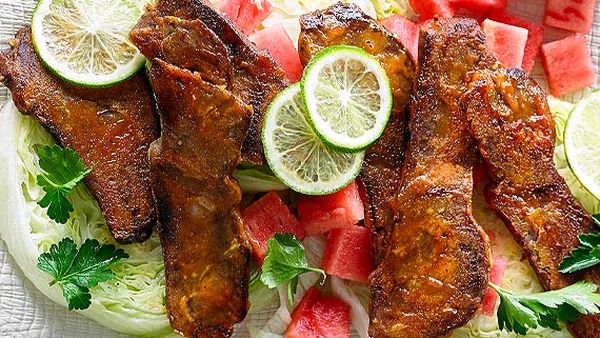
{"x":139,"y":282}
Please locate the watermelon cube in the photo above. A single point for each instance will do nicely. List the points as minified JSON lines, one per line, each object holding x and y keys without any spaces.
{"x":480,"y":7}
{"x":317,"y":316}
{"x":506,"y":42}
{"x":247,"y":14}
{"x":491,"y":297}
{"x":348,"y":254}
{"x":319,"y":214}
{"x":265,"y":218}
{"x":568,"y":65}
{"x":277,"y":42}
{"x":428,"y":9}
{"x":534,"y":37}
{"x":572,"y":15}
{"x":230,"y":8}
{"x":406,"y":31}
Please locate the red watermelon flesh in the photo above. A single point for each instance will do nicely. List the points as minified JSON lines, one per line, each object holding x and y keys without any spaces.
{"x":572,"y":15}
{"x":491,"y":297}
{"x":247,"y":14}
{"x":319,"y":214}
{"x":428,"y":9}
{"x":265,"y":218}
{"x":348,"y":254}
{"x":318,"y":316}
{"x":230,"y":8}
{"x":406,"y":31}
{"x":252,"y":13}
{"x":506,"y":42}
{"x":480,"y":6}
{"x":534,"y":37}
{"x":277,"y":42}
{"x":568,"y":65}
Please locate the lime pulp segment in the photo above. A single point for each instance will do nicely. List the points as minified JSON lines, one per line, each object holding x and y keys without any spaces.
{"x":348,"y":97}
{"x":297,"y":156}
{"x":582,"y":142}
{"x":86,"y":42}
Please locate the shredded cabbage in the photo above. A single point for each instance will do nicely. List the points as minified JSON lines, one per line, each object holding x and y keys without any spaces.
{"x":561,"y":110}
{"x":261,"y":297}
{"x":133,"y":302}
{"x":282,"y":318}
{"x":358,"y":312}
{"x":385,"y":8}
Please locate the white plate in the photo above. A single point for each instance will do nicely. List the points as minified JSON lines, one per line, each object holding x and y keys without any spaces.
{"x":25,"y":312}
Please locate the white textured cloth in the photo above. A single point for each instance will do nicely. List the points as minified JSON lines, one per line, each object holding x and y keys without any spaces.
{"x":25,"y":312}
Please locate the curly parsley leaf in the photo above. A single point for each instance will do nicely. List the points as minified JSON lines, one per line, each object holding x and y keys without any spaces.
{"x":78,"y":270}
{"x":285,"y":261}
{"x":62,"y":169}
{"x":586,"y":255}
{"x":519,"y":313}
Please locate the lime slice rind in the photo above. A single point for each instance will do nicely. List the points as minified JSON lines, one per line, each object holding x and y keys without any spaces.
{"x":582,"y":142}
{"x":297,"y":156}
{"x":86,"y":42}
{"x":348,"y":97}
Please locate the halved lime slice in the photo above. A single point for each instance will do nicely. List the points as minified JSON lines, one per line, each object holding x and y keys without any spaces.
{"x":85,"y":42}
{"x":348,"y":97}
{"x":582,"y":142}
{"x":295,"y":153}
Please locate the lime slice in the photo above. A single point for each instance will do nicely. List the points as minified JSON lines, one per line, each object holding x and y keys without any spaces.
{"x":582,"y":142}
{"x":295,"y":153}
{"x":348,"y":97}
{"x":85,"y":42}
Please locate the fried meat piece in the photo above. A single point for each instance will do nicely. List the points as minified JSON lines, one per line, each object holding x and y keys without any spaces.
{"x":434,"y":275}
{"x":203,"y":129}
{"x":111,"y":129}
{"x":510,"y":119}
{"x":206,"y":255}
{"x":249,"y":73}
{"x":345,"y":24}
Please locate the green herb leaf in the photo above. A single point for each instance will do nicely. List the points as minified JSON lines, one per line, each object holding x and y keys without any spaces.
{"x":285,"y":261}
{"x":586,"y":255}
{"x":519,"y":313}
{"x":76,"y":271}
{"x":62,"y":169}
{"x":291,"y":290}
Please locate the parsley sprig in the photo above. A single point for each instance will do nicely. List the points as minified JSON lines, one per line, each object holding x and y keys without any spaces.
{"x":62,"y":169}
{"x":285,"y":261}
{"x":78,"y":270}
{"x":586,"y":255}
{"x":519,"y":313}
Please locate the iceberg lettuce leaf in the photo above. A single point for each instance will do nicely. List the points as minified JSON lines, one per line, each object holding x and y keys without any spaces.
{"x":257,"y":180}
{"x":132,"y":302}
